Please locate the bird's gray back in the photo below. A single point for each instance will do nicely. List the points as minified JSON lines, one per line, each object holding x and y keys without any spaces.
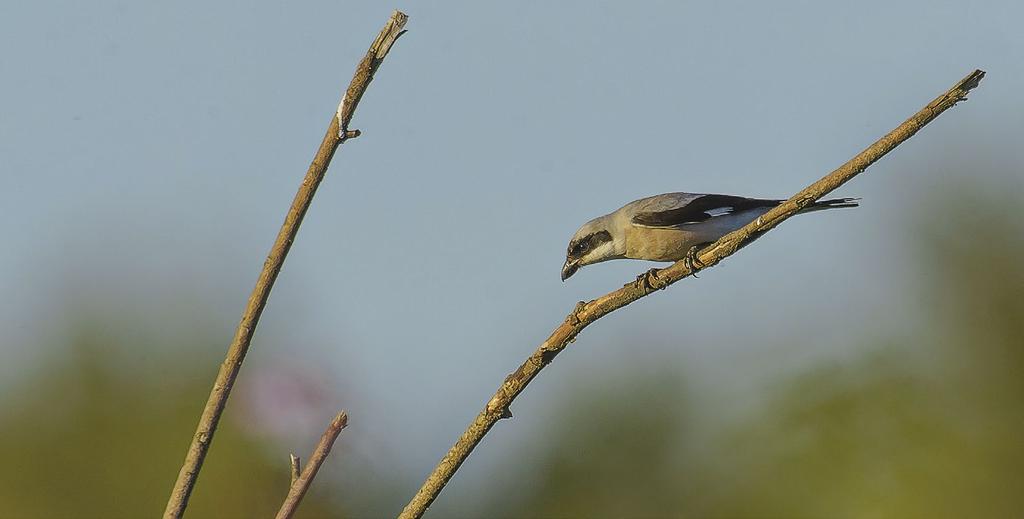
{"x":659,"y":203}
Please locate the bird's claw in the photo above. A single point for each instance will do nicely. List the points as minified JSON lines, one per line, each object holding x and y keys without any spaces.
{"x":692,"y":261}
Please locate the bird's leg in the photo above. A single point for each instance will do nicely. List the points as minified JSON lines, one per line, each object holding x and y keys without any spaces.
{"x":693,"y":262}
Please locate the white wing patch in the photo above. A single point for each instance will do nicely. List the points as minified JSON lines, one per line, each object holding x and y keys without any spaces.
{"x":719,"y":211}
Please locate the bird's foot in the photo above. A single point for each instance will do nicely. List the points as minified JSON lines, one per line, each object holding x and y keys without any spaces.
{"x":692,"y":261}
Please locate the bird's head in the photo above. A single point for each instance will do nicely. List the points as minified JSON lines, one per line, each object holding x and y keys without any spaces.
{"x":593,"y":243}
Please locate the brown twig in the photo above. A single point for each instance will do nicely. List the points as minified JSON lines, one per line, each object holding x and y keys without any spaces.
{"x":586,"y":313}
{"x":337,"y":133}
{"x":296,"y":467}
{"x":301,"y":484}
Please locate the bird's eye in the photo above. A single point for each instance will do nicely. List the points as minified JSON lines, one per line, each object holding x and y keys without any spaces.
{"x":579,"y":248}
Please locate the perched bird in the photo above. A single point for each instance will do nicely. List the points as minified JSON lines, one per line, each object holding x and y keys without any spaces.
{"x":668,"y":227}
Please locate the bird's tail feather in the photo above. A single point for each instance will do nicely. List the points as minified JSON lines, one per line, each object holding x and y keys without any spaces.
{"x":833,"y":203}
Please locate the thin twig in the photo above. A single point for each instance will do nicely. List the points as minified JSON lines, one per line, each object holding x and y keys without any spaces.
{"x":586,"y":313}
{"x":337,"y":133}
{"x":301,"y":484}
{"x":296,"y":467}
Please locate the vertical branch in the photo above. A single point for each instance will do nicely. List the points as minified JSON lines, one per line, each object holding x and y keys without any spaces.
{"x":586,"y":313}
{"x":301,"y":483}
{"x":337,"y":133}
{"x":296,"y":467}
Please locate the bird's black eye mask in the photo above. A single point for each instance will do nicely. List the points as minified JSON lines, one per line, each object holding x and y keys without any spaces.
{"x":588,"y":243}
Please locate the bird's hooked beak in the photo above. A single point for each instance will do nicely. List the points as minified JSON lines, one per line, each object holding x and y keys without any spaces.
{"x":570,"y":268}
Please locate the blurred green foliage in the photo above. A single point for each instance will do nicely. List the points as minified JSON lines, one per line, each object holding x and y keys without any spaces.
{"x":88,"y":438}
{"x":613,"y":452}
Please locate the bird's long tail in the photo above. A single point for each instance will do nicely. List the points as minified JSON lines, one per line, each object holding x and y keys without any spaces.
{"x":833,"y":203}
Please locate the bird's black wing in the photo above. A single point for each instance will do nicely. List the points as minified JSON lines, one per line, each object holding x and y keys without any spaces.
{"x":700,"y":209}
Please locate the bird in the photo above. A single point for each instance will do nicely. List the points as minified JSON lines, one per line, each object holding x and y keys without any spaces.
{"x":669,"y":227}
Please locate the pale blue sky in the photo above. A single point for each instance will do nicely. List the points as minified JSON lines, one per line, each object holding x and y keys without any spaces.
{"x":153,"y":148}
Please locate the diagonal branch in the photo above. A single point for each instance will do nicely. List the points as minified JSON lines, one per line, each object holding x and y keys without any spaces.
{"x":337,"y":133}
{"x":586,"y":313}
{"x":300,"y":484}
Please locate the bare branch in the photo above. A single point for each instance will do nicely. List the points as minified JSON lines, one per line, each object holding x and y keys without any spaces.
{"x":301,"y":484}
{"x":367,"y":68}
{"x":586,"y":313}
{"x":337,"y":132}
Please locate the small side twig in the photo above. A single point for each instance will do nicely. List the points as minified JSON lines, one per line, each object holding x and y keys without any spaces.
{"x":337,"y":133}
{"x":586,"y":313}
{"x":300,"y":482}
{"x":296,"y":465}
